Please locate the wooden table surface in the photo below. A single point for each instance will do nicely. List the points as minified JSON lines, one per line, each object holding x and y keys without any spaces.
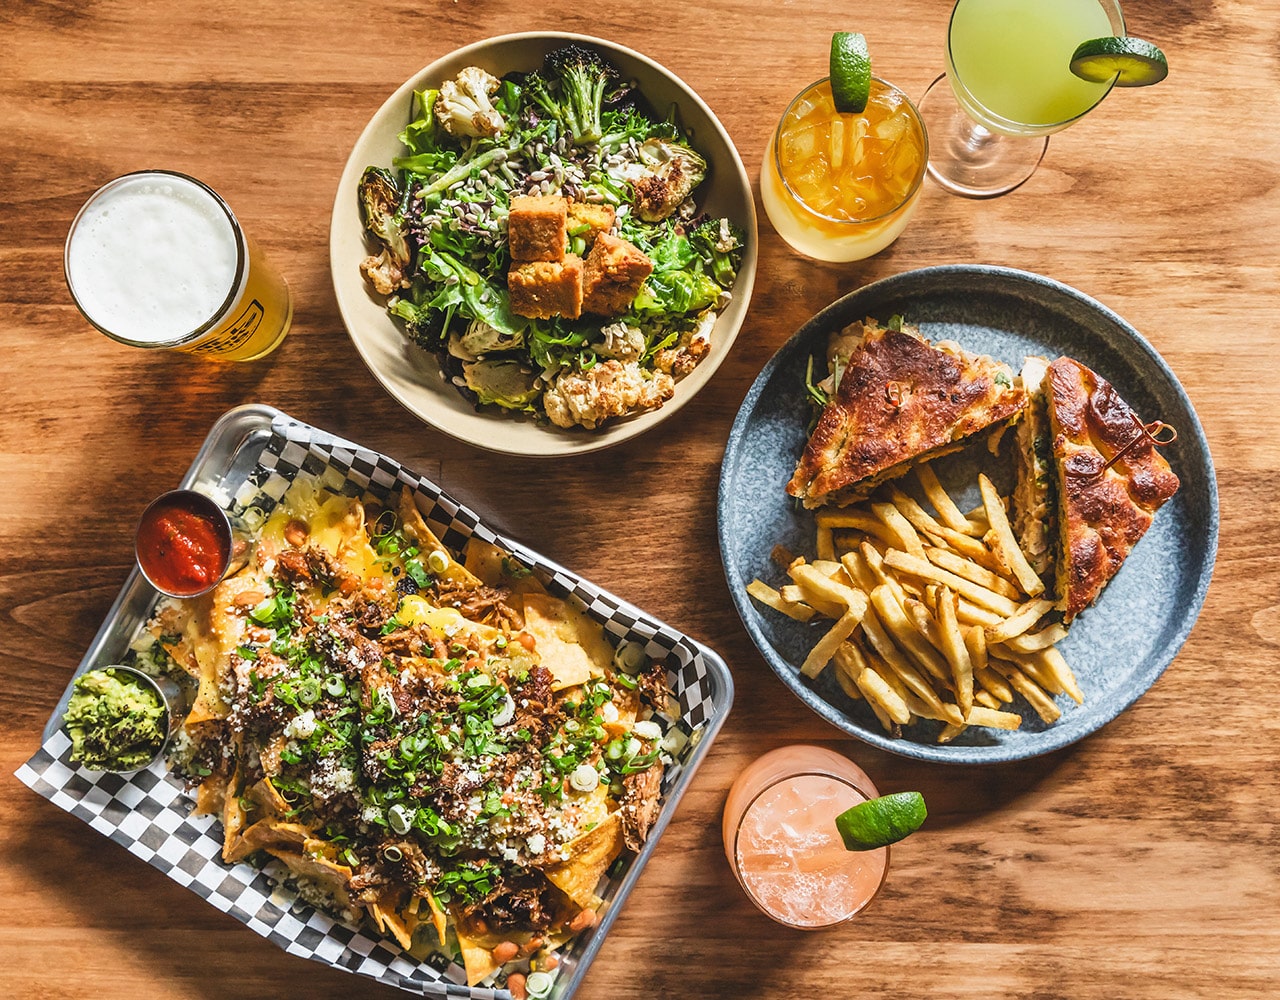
{"x":1140,"y":863}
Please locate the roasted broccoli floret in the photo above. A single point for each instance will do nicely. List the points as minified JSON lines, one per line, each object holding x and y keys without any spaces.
{"x":463,"y":107}
{"x":583,"y":77}
{"x":668,"y":172}
{"x":720,"y":241}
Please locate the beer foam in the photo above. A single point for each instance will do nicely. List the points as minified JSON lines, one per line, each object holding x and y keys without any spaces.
{"x":152,"y":258}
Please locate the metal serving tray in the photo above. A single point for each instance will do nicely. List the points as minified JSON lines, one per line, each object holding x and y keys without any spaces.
{"x":251,"y":456}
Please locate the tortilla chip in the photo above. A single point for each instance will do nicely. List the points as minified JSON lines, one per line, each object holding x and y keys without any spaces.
{"x":264,"y":835}
{"x":438,"y":919}
{"x":488,"y":562}
{"x":477,"y":955}
{"x":569,"y":644}
{"x":233,"y":815}
{"x":327,"y":874}
{"x":401,"y":925}
{"x":212,"y":646}
{"x":267,"y":797}
{"x":415,"y":526}
{"x":211,"y":796}
{"x":590,"y":856}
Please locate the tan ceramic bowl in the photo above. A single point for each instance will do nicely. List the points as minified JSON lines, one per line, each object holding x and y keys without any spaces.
{"x":411,"y":374}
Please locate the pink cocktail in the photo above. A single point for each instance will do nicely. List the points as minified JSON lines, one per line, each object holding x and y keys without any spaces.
{"x":781,"y":839}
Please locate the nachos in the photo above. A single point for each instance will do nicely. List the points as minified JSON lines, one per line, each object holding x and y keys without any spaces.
{"x":437,"y":745}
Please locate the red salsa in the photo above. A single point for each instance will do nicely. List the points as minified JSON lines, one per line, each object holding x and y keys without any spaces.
{"x":183,"y":544}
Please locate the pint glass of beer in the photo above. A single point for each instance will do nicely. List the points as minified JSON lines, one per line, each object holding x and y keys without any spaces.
{"x":156,"y":259}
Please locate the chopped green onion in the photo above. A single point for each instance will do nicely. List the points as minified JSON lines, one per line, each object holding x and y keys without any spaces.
{"x":335,"y":685}
{"x":538,"y":985}
{"x":309,"y":691}
{"x":399,"y":819}
{"x":629,"y":657}
{"x":393,"y":854}
{"x":438,"y":561}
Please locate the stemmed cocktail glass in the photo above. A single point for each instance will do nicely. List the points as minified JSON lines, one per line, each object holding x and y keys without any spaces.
{"x":1010,"y":87}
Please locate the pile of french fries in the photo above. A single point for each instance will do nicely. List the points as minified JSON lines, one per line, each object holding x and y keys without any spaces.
{"x":935,"y":615}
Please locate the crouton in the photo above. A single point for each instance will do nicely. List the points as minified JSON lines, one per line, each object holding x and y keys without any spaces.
{"x":613,"y":273}
{"x":544,"y":288}
{"x":536,"y":228}
{"x":588,"y":221}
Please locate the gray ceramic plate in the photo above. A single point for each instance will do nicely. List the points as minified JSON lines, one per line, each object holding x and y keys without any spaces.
{"x":1118,"y":647}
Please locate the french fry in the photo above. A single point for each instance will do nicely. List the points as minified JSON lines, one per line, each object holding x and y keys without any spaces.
{"x":971,"y":614}
{"x":950,"y":732}
{"x":825,"y":647}
{"x":975,"y":640}
{"x":1034,"y":670}
{"x":905,"y":536}
{"x":969,"y":570}
{"x":1006,"y":544}
{"x":868,"y":524}
{"x":770,"y":598}
{"x":875,"y":564}
{"x":994,"y":683}
{"x":922,"y":618}
{"x":859,"y":572}
{"x":921,"y":567}
{"x":890,"y":727}
{"x":955,"y":650}
{"x":826,"y":543}
{"x":920,"y":519}
{"x":948,"y":512}
{"x":1034,"y":642}
{"x":913,"y":687}
{"x":1025,"y":617}
{"x":979,"y":715}
{"x":872,"y":685}
{"x":847,"y":685}
{"x":817,"y":586}
{"x":986,"y":699}
{"x":795,"y":594}
{"x":891,"y":615}
{"x":1055,"y":662}
{"x":849,"y":661}
{"x":1029,"y":689}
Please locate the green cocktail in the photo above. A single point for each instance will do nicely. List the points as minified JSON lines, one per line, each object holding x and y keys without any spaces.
{"x":1009,"y":84}
{"x":1008,"y":61}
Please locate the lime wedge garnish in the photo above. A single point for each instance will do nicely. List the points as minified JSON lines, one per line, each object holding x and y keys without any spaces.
{"x":850,"y":72}
{"x":1131,"y":61}
{"x":880,"y":822}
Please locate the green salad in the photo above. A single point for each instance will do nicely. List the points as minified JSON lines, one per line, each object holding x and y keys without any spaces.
{"x":615,"y":306}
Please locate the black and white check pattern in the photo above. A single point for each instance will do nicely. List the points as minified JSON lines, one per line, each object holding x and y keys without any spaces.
{"x":149,"y":812}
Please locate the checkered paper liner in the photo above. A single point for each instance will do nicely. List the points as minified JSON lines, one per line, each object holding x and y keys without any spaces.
{"x":150,"y":813}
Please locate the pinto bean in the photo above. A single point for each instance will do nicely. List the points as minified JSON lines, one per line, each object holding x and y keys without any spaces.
{"x":505,"y":952}
{"x":248,"y":599}
{"x":584,"y":919}
{"x":515,"y":983}
{"x":296,"y":532}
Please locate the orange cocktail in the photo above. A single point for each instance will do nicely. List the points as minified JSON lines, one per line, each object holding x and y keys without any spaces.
{"x":841,"y":187}
{"x":781,"y":839}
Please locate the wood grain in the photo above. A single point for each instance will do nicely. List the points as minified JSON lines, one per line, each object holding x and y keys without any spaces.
{"x":1140,"y":863}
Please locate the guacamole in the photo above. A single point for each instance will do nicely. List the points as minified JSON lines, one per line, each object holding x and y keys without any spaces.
{"x":115,"y":720}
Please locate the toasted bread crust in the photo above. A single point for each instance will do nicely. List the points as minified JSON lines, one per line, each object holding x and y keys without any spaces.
{"x":899,"y":398}
{"x":1104,"y":512}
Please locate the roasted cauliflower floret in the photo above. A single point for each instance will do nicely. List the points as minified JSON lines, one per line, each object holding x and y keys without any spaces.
{"x":463,"y":107}
{"x":668,"y":173}
{"x":383,"y":272}
{"x":610,"y":389}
